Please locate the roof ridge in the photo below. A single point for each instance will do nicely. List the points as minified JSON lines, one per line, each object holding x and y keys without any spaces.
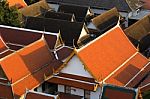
{"x":120,"y":66}
{"x":138,"y":73}
{"x":106,"y":33}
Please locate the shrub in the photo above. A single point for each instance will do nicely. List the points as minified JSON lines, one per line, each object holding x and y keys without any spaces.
{"x":9,"y":15}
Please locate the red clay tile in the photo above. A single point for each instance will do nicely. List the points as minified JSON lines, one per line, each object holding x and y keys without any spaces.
{"x":2,"y":45}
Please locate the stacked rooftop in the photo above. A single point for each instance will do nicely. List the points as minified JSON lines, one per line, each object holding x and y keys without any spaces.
{"x":71,"y":53}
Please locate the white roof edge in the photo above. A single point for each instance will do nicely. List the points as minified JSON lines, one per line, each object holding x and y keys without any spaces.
{"x":29,"y":30}
{"x":78,"y":50}
{"x":63,"y":46}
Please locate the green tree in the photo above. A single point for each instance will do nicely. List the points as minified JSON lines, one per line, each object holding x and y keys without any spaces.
{"x":9,"y":15}
{"x":146,"y":95}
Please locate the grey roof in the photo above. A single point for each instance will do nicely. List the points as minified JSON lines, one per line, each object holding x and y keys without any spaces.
{"x":121,"y":5}
{"x":79,"y":11}
{"x":58,"y":15}
{"x":70,"y":31}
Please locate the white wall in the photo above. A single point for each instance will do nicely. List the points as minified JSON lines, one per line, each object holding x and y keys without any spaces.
{"x":76,"y":67}
{"x":39,"y":88}
{"x":77,"y":91}
{"x":83,"y":32}
{"x":61,"y":88}
{"x":95,"y":95}
{"x":54,"y":6}
{"x":80,"y":92}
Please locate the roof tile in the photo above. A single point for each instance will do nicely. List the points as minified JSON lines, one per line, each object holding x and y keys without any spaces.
{"x":112,"y":44}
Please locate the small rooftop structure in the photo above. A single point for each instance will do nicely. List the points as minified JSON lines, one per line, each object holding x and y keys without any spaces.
{"x":79,"y":12}
{"x":69,"y":31}
{"x":140,"y":31}
{"x":106,"y":20}
{"x":59,"y":15}
{"x":111,"y":92}
{"x":35,"y":9}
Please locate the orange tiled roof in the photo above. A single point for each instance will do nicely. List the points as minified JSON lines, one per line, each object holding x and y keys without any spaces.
{"x":4,"y":51}
{"x":26,"y":61}
{"x":18,"y":3}
{"x":29,"y":64}
{"x":2,"y":45}
{"x":14,"y":67}
{"x":104,"y":55}
{"x":128,"y":71}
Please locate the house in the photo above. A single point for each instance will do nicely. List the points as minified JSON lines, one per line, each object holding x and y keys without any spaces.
{"x":16,"y":38}
{"x":129,"y":9}
{"x":121,"y":5}
{"x":111,"y":92}
{"x":140,"y":32}
{"x":87,"y":70}
{"x":75,"y":80}
{"x":105,"y":21}
{"x":59,"y":15}
{"x":26,"y":46}
{"x":17,"y":3}
{"x":70,"y":31}
{"x":29,"y":68}
{"x":80,"y":12}
{"x":113,"y":69}
{"x":35,"y":9}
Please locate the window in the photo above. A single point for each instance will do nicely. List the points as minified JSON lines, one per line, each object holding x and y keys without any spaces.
{"x":86,"y":94}
{"x":68,"y":89}
{"x":50,"y":88}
